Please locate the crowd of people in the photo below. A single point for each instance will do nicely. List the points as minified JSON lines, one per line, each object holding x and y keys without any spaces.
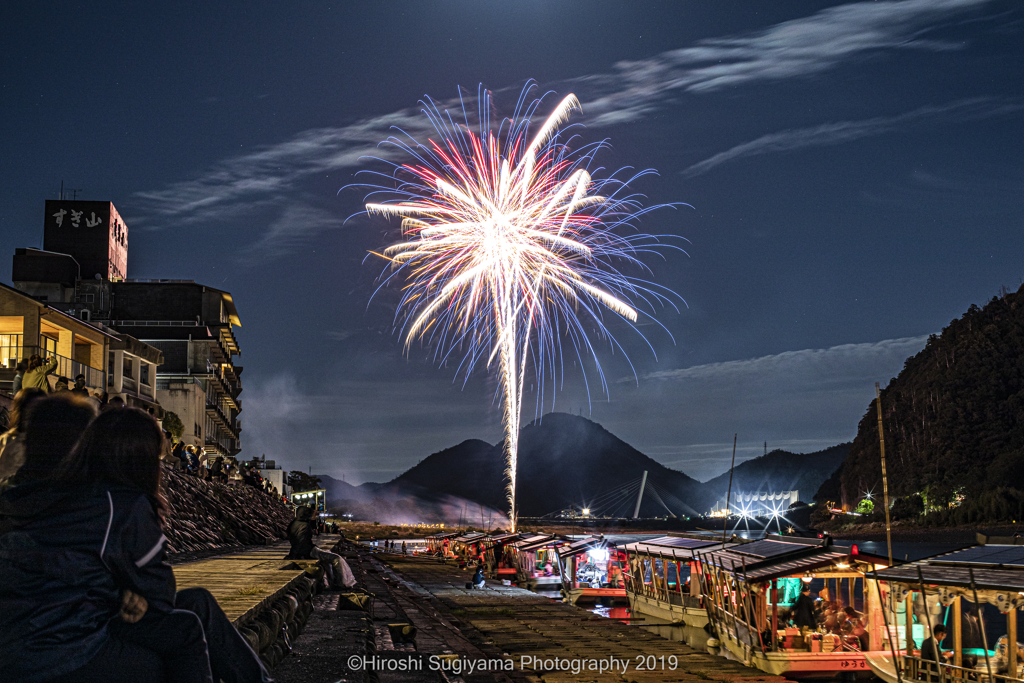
{"x":830,"y":616}
{"x":86,"y":592}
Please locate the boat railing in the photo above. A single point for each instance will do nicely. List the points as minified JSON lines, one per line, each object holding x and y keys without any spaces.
{"x":917,"y":669}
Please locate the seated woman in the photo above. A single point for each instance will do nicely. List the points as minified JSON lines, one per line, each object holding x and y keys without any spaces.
{"x":75,"y":545}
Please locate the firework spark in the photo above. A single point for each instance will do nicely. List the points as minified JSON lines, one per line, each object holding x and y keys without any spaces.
{"x":510,"y":246}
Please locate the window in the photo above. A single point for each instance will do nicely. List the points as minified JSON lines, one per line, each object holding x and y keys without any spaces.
{"x":144,"y":373}
{"x":126,"y":366}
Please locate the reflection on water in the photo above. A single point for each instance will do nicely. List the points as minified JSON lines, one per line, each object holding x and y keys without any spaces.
{"x":697,"y":638}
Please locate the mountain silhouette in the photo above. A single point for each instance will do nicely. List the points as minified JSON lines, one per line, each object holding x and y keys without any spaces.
{"x":953,"y":421}
{"x":570,"y":462}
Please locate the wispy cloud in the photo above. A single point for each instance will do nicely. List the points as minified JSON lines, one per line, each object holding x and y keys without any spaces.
{"x":291,"y":231}
{"x":793,"y":49}
{"x":836,"y":364}
{"x":846,"y":131}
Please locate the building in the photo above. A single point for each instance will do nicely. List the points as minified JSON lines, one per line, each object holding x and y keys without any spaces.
{"x":759,"y":504}
{"x":32,"y":326}
{"x":273,"y":473}
{"x":154,"y":343}
{"x":192,"y":325}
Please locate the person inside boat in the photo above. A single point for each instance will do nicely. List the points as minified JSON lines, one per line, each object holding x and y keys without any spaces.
{"x":803,"y":611}
{"x":931,"y":650}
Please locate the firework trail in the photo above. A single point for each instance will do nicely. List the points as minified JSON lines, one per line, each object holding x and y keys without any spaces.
{"x":510,"y":246}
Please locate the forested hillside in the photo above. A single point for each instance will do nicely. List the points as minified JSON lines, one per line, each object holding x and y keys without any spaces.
{"x":953,"y":421}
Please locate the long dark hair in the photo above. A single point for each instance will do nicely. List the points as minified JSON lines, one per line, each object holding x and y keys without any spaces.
{"x":55,"y":425}
{"x":22,"y":405}
{"x":119,"y":447}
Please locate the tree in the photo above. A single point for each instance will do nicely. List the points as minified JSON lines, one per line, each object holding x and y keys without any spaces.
{"x":865,"y":507}
{"x":172,"y":423}
{"x":300,"y":481}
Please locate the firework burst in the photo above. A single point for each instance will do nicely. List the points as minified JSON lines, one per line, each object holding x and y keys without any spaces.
{"x":511,"y":247}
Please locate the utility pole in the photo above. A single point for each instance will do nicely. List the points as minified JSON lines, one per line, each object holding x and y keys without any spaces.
{"x":885,"y":479}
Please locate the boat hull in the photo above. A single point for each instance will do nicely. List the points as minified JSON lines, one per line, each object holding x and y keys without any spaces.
{"x":801,"y":665}
{"x":676,"y":614}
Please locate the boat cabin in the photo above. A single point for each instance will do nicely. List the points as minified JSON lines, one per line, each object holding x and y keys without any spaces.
{"x":976,"y":594}
{"x":499,"y":558}
{"x":592,"y":570}
{"x":802,"y":608}
{"x":659,"y":577}
{"x":440,"y":544}
{"x":469,"y":547}
{"x":536,"y":559}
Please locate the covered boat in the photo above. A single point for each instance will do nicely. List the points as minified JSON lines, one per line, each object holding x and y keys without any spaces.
{"x":658,"y":578}
{"x":592,"y":570}
{"x":499,"y":558}
{"x":972,"y":592}
{"x":751,"y":591}
{"x":536,"y":561}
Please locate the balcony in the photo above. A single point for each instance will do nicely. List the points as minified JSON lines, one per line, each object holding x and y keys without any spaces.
{"x":66,"y":367}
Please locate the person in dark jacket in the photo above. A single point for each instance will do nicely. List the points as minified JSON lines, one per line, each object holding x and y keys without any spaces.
{"x":479,"y":581}
{"x":803,"y":610}
{"x":76,"y":547}
{"x":300,"y":534}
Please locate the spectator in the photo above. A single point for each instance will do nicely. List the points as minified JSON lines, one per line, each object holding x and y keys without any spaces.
{"x":179,"y":452}
{"x":61,"y":385}
{"x":115,"y":402}
{"x":191,"y":459}
{"x":300,"y":534}
{"x":19,"y":374}
{"x":12,"y":442}
{"x":79,"y":387}
{"x":36,"y":373}
{"x":217,"y":469}
{"x":63,"y":625}
{"x":167,"y":455}
{"x":55,"y":425}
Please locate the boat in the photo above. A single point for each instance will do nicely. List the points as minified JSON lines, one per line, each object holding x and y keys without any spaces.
{"x":536,"y":562}
{"x":746,"y":586}
{"x":592,"y":570}
{"x":955,"y":589}
{"x":658,"y":578}
{"x":439,"y":544}
{"x":499,"y":559}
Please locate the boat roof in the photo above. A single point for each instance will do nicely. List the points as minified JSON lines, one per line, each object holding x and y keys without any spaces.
{"x":773,"y":558}
{"x":470,"y":537}
{"x":537,"y":542}
{"x":502,"y":538}
{"x":671,"y":545}
{"x":582,"y":545}
{"x":444,"y":534}
{"x":992,"y":567}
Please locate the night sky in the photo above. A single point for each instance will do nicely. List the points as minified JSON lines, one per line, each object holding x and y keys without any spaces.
{"x":854,"y":172}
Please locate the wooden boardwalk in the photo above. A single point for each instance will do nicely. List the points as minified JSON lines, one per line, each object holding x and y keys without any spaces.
{"x":245,"y":582}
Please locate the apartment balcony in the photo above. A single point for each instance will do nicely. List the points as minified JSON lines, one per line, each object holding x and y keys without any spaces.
{"x":215,"y":412}
{"x":66,"y":367}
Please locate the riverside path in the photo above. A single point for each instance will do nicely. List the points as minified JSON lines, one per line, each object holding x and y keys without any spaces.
{"x":422,"y":624}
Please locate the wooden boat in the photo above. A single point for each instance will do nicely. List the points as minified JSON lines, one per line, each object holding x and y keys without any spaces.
{"x":745,"y":586}
{"x":499,"y":559}
{"x":440,"y":544}
{"x":592,"y":570}
{"x":658,"y":578}
{"x":953,"y":589}
{"x":536,"y":561}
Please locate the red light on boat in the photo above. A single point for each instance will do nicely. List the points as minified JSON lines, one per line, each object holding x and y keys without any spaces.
{"x":855,"y":550}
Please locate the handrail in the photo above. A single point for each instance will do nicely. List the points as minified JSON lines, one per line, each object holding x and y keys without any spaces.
{"x":916,"y":668}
